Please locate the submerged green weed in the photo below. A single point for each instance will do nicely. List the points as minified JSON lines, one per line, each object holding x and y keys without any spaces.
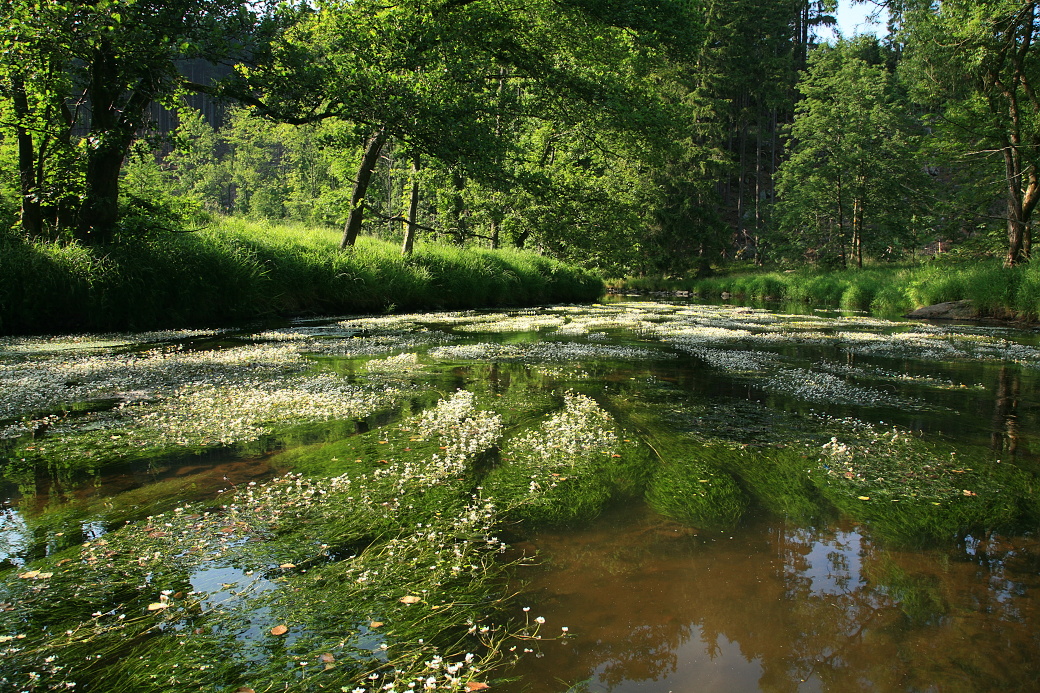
{"x":692,"y":487}
{"x":388,"y":576}
{"x":566,"y":469}
{"x":915,"y":493}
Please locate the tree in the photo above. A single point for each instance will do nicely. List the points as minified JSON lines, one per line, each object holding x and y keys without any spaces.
{"x":977,"y":64}
{"x":96,"y":66}
{"x":852,"y":161}
{"x":451,"y":80}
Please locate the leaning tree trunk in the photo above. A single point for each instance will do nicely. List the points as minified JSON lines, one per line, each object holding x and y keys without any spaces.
{"x":413,"y":209}
{"x":357,"y":200}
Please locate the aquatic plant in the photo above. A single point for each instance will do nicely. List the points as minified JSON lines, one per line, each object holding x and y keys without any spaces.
{"x":544,"y":351}
{"x":370,"y":581}
{"x":692,"y":487}
{"x":565,"y":469}
{"x":912,"y":492}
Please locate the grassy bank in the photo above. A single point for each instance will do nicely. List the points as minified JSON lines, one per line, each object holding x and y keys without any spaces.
{"x":994,"y":289}
{"x":238,"y":270}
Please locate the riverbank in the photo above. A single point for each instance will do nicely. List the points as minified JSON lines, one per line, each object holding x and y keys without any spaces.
{"x":991,"y":290}
{"x":237,"y":271}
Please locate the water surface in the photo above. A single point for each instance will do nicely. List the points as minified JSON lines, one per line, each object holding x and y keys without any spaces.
{"x":824,"y":594}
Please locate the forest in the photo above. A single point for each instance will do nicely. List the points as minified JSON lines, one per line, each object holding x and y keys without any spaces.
{"x":658,"y":137}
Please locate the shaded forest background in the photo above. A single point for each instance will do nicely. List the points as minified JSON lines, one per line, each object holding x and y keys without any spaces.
{"x":663,"y":137}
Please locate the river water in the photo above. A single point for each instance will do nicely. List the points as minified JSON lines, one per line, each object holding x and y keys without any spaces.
{"x":635,"y":601}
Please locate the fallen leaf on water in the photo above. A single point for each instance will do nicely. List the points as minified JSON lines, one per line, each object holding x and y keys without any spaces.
{"x":327,"y":658}
{"x":28,"y":576}
{"x":410,"y":599}
{"x":156,"y":606}
{"x":476,"y":686}
{"x":864,"y":497}
{"x":375,"y":624}
{"x":286,"y":566}
{"x":279,"y":630}
{"x":244,"y":689}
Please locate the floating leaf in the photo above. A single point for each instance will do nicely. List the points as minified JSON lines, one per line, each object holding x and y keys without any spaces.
{"x":287,"y":566}
{"x":864,"y":497}
{"x":30,"y":575}
{"x":476,"y":686}
{"x":327,"y":658}
{"x":244,"y":689}
{"x":375,"y":624}
{"x":156,"y":606}
{"x":279,"y":630}
{"x":410,"y":599}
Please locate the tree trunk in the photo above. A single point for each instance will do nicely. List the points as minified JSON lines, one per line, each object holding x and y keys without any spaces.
{"x":115,"y":116}
{"x":841,"y":226}
{"x":100,"y":210}
{"x":857,"y":231}
{"x":1017,"y":231}
{"x":413,"y":208}
{"x":458,"y":206}
{"x":31,"y":216}
{"x":364,"y":177}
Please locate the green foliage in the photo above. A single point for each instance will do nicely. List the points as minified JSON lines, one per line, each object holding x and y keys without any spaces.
{"x":844,"y":188}
{"x":984,"y":97}
{"x":993,"y":289}
{"x":118,"y":57}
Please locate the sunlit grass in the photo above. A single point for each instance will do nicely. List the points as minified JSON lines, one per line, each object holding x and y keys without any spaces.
{"x":238,"y":270}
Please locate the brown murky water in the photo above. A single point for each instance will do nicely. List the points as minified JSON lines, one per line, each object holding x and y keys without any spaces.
{"x":652,"y":607}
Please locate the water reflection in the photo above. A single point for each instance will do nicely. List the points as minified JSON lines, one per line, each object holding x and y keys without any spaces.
{"x":1005,"y":411}
{"x":652,"y":607}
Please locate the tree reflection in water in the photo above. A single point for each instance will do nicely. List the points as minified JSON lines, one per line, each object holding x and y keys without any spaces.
{"x":654,"y":607}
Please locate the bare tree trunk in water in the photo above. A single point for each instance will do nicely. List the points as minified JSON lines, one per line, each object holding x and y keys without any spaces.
{"x":357,"y":199}
{"x":413,"y":208}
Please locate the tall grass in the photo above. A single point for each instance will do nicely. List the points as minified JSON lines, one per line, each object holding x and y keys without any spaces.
{"x":238,"y":270}
{"x":993,"y":289}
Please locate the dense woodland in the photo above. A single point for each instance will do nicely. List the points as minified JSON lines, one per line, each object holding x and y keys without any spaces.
{"x":639,"y":137}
